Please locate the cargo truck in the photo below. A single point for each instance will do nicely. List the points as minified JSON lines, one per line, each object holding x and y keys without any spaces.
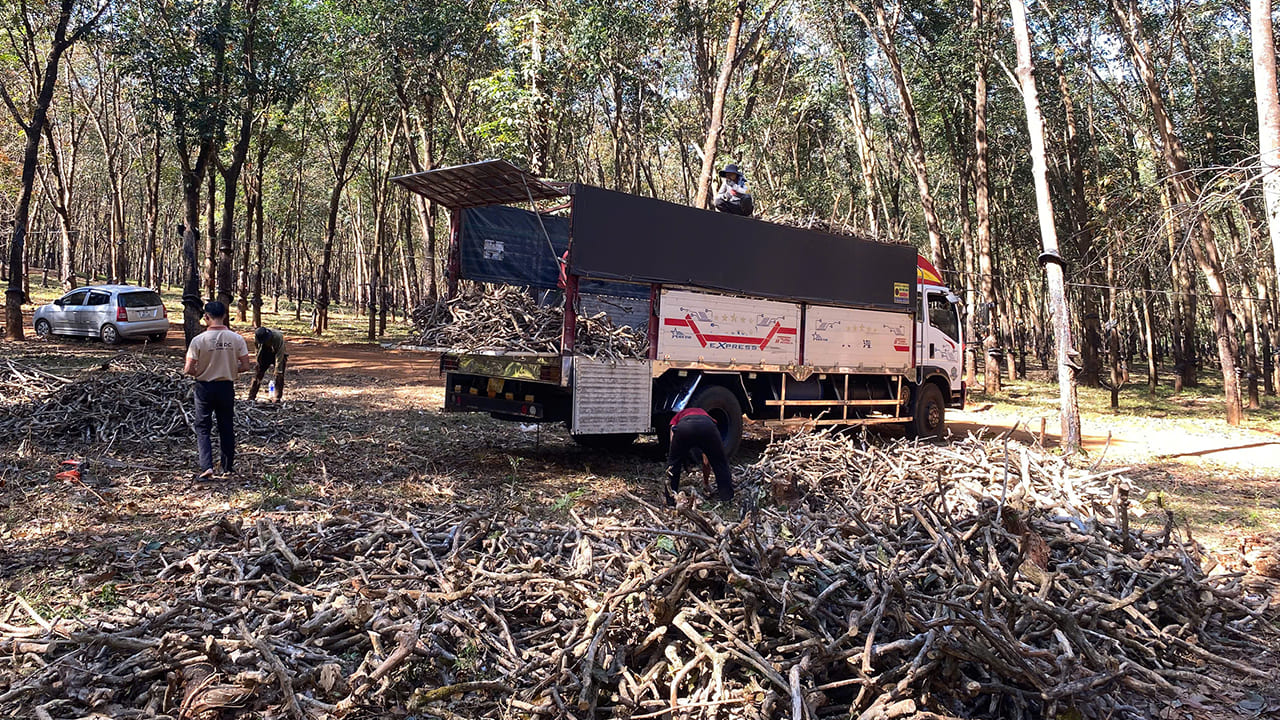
{"x":744,"y":318}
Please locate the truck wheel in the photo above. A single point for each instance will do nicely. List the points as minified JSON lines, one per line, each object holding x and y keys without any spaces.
{"x":930,"y":416}
{"x":612,"y":441}
{"x":723,"y":407}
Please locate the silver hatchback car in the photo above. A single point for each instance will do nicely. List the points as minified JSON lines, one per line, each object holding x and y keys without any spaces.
{"x":110,"y":312}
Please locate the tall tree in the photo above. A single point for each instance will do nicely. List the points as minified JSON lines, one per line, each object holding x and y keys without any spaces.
{"x":982,"y":203}
{"x":178,"y":53}
{"x":716,"y":124}
{"x":884,"y":29}
{"x":1264,"y":80}
{"x":64,"y":35}
{"x":352,"y":99}
{"x":1051,"y":258}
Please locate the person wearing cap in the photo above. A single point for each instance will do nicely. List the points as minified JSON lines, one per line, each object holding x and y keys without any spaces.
{"x":214,"y":358}
{"x":732,"y":197}
{"x":696,"y":437}
{"x":272,"y":351}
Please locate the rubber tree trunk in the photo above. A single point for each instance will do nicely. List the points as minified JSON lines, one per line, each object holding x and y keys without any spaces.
{"x":16,"y":293}
{"x":211,"y":237}
{"x":982,"y":210}
{"x":1082,"y":224}
{"x":703,"y":197}
{"x":150,"y":266}
{"x":230,"y":186}
{"x":258,"y":259}
{"x":1056,"y":285}
{"x":1264,"y":83}
{"x":192,"y":307}
{"x":1148,"y":323}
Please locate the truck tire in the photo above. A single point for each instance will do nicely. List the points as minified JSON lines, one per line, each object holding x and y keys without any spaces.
{"x":723,"y":407}
{"x":929,"y":416}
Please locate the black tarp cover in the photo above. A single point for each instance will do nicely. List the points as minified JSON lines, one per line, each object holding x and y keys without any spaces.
{"x":503,"y":244}
{"x":626,"y":237}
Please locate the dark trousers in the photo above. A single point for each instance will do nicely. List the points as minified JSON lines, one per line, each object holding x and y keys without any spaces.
{"x":699,"y":432}
{"x":264,"y":364}
{"x":216,"y":397}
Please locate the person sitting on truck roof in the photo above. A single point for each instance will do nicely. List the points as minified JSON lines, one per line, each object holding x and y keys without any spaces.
{"x":694,"y":432}
{"x":732,"y":197}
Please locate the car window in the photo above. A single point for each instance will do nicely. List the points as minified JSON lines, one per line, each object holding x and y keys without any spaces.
{"x":75,"y":298}
{"x":140,"y":299}
{"x":942,"y":315}
{"x":98,"y":298}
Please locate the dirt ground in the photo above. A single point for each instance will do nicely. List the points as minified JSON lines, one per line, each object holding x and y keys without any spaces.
{"x":363,"y":422}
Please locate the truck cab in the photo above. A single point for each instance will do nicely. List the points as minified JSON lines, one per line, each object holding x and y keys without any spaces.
{"x":940,"y":342}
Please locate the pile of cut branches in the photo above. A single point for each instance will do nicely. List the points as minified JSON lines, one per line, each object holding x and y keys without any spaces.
{"x":892,"y":582}
{"x":600,"y":339}
{"x":491,"y":318}
{"x":127,"y":400}
{"x":20,"y":382}
{"x":505,"y":318}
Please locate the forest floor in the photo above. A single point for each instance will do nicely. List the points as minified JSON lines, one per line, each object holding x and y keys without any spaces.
{"x":362,"y":424}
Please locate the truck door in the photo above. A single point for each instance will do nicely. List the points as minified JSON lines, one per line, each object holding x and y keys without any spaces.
{"x":940,"y":335}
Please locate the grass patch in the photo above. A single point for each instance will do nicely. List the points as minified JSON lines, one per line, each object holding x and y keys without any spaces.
{"x":277,"y":489}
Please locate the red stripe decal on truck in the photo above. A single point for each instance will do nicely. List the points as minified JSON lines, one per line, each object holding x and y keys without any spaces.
{"x":773,"y":331}
{"x":762,"y":343}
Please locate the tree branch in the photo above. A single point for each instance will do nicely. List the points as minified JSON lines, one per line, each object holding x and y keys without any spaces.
{"x":8,"y":102}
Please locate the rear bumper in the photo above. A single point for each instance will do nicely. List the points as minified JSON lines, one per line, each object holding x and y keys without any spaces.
{"x":464,"y":402}
{"x":138,"y":328}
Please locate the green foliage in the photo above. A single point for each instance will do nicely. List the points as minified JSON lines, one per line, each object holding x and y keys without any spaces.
{"x":566,"y":501}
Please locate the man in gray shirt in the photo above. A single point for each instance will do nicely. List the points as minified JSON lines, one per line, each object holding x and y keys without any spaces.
{"x":214,"y":358}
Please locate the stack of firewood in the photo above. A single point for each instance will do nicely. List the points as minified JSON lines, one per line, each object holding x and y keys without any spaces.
{"x":505,"y":318}
{"x":969,"y":580}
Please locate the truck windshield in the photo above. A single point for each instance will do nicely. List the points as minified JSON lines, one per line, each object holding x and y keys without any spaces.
{"x":942,"y":315}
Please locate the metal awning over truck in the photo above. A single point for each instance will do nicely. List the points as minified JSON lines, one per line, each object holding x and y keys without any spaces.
{"x":615,"y":236}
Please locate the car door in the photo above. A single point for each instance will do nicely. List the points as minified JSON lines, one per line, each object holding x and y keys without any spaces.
{"x":63,"y":317}
{"x":94,"y":312}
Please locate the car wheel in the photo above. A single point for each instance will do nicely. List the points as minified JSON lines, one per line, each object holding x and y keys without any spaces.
{"x":110,"y":335}
{"x":930,"y":417}
{"x":723,"y":407}
{"x":43,"y":329}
